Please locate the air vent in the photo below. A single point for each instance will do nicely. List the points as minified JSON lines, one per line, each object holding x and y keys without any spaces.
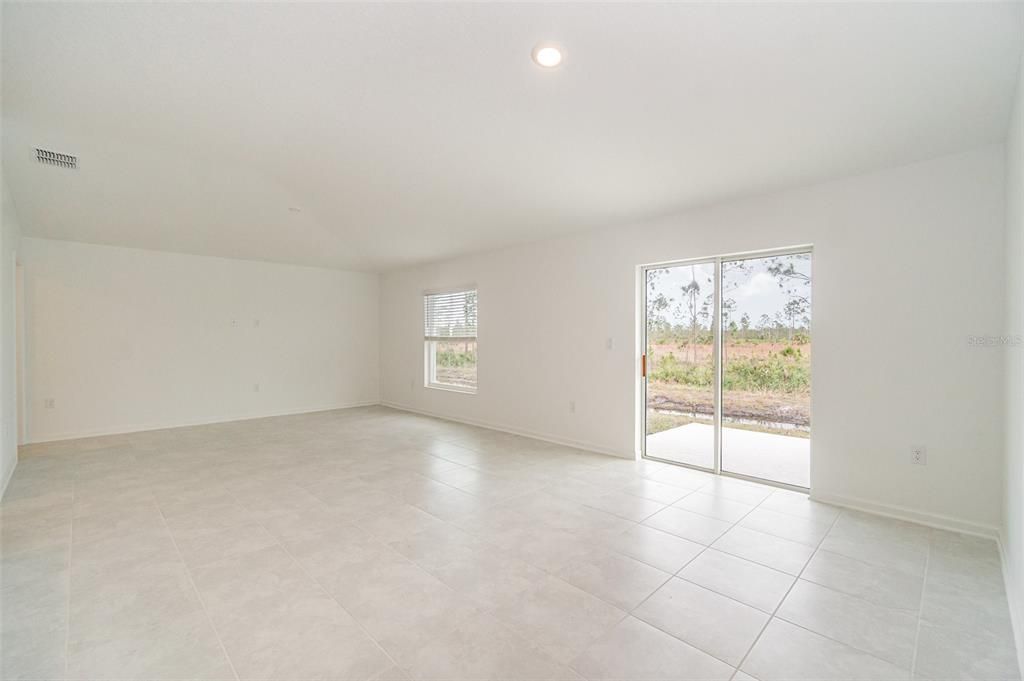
{"x":52,"y":158}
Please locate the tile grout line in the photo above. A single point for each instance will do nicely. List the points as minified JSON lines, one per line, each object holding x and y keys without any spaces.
{"x":71,"y":548}
{"x":817,"y":633}
{"x":675,"y":575}
{"x":920,"y":607}
{"x":736,"y":669}
{"x":857,"y":598}
{"x":195,"y":589}
{"x":343,"y":609}
{"x":507,"y":502}
{"x":556,"y":575}
{"x":782,"y":600}
{"x":817,"y":550}
{"x":279,"y":543}
{"x":835,"y":589}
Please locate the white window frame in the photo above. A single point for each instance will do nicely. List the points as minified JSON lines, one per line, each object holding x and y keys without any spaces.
{"x":430,"y":348}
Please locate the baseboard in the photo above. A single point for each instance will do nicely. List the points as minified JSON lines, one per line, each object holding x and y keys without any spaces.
{"x":545,"y":437}
{"x":7,"y":479}
{"x":141,"y":428}
{"x":1013,"y":600}
{"x":935,"y":520}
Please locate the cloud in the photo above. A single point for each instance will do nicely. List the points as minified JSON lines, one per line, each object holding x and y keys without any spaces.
{"x":761,"y":284}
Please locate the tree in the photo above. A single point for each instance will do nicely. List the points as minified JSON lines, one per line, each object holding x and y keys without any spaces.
{"x":728,"y":325}
{"x":793,"y":282}
{"x":796,"y":284}
{"x":728,"y":307}
{"x":794,"y":309}
{"x":690,"y":293}
{"x":657,"y":304}
{"x":469,"y":314}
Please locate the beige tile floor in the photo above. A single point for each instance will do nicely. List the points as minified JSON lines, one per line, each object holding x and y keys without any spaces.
{"x":375,"y":544}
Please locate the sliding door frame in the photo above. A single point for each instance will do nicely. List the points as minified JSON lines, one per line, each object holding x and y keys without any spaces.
{"x":716,"y":355}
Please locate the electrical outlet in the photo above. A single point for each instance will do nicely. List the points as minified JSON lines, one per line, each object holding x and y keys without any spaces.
{"x":919,"y":455}
{"x":572,"y":406}
{"x":610,"y":343}
{"x":49,"y":403}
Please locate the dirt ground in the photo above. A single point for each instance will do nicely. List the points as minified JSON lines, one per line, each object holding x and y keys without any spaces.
{"x":732,"y":349}
{"x":793,"y":409}
{"x":677,"y":399}
{"x":464,"y":376}
{"x":659,"y":421}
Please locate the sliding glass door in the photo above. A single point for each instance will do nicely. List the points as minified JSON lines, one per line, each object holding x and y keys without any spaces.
{"x":680,"y":363}
{"x":766,"y":367}
{"x":727,"y":365}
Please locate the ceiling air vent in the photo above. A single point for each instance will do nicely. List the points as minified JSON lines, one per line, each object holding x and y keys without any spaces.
{"x":52,"y":158}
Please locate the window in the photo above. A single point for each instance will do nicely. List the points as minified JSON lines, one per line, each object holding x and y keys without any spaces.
{"x":449,"y":339}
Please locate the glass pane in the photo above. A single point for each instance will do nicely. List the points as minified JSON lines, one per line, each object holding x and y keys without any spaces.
{"x":766,"y":367}
{"x":681,"y":364}
{"x":455,"y":363}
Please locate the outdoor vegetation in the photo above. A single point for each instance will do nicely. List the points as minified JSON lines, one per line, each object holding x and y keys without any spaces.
{"x":766,"y":359}
{"x":450,"y":330}
{"x":455,"y":363}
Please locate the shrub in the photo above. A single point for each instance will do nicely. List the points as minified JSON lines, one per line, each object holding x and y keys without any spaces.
{"x":786,"y":371}
{"x":455,"y":358}
{"x":669,"y":369}
{"x":775,"y":373}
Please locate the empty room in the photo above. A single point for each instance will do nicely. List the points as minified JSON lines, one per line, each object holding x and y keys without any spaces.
{"x":512,"y":341}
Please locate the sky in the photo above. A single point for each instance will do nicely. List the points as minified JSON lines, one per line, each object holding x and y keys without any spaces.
{"x":755,"y":291}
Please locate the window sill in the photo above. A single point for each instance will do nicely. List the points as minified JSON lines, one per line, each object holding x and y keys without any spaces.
{"x":451,"y":388}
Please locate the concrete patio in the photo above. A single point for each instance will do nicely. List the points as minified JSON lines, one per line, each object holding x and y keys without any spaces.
{"x":780,"y":458}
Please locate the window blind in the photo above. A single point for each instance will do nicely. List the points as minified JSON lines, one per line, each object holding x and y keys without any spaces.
{"x":449,"y":315}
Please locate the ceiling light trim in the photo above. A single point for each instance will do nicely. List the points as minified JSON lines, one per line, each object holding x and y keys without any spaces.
{"x":548,"y":55}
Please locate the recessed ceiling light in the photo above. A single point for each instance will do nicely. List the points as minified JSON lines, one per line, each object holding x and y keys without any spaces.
{"x":548,"y":55}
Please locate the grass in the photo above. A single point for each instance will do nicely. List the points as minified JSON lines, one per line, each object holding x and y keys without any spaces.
{"x":765,"y":384}
{"x":785,"y":371}
{"x":658,"y":421}
{"x":456,"y":358}
{"x":455,"y":363}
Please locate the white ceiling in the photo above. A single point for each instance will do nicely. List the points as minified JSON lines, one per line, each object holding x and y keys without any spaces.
{"x":409,"y":132}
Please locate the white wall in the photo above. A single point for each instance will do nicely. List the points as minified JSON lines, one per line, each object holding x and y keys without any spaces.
{"x":907,"y":264}
{"x":124,"y":339}
{"x":1013,"y":510}
{"x":9,"y":244}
